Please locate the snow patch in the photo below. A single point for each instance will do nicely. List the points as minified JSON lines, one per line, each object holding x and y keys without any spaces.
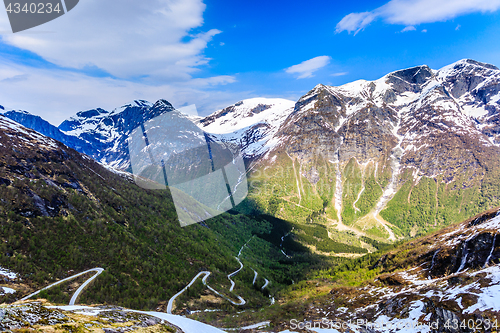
{"x":7,"y":290}
{"x":8,"y":274}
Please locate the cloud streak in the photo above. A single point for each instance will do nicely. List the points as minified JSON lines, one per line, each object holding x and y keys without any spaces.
{"x":355,"y":22}
{"x":339,"y":74}
{"x":306,"y":68}
{"x":414,"y":12}
{"x":409,"y":28}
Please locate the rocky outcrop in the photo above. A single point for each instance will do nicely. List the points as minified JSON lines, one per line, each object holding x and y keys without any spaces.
{"x":39,"y":316}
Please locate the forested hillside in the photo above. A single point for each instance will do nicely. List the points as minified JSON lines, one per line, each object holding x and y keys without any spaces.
{"x":61,"y":212}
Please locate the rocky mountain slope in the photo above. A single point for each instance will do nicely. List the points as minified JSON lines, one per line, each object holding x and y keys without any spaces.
{"x":390,"y":158}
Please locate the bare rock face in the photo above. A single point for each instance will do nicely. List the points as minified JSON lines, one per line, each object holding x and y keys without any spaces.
{"x":476,"y":87}
{"x":39,"y":316}
{"x":306,"y":132}
{"x":415,"y":107}
{"x":411,"y":79}
{"x":367,"y":134}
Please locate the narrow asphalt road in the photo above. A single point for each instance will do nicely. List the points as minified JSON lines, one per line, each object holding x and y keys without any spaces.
{"x":233,"y":274}
{"x":204,"y":281}
{"x":98,"y":271}
{"x":172,"y":299}
{"x":170,"y":304}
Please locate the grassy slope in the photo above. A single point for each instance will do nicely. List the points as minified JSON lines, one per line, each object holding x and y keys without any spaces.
{"x":286,"y":189}
{"x":275,"y":190}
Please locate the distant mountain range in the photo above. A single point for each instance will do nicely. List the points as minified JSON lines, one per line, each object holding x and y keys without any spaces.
{"x":98,"y":133}
{"x":102,"y":134}
{"x":424,"y":143}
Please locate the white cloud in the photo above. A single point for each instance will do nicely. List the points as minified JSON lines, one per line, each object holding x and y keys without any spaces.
{"x":355,"y":22}
{"x":409,"y":28}
{"x":339,"y":74}
{"x":457,"y":27}
{"x":306,"y":68}
{"x":128,"y":39}
{"x":414,"y":12}
{"x":424,"y":30}
{"x":56,"y":94}
{"x":212,"y":81}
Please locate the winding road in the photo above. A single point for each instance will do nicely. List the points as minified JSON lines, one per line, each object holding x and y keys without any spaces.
{"x":77,"y":293}
{"x":206,"y":274}
{"x":265,"y":284}
{"x":171,"y":300}
{"x":234,"y":273}
{"x":241,"y":300}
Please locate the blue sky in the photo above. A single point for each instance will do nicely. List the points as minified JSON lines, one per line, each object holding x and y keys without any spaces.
{"x":214,"y":53}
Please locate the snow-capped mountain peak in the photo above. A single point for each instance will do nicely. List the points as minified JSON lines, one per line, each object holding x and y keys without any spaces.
{"x":476,"y":88}
{"x":133,"y":104}
{"x":83,"y":121}
{"x":107,"y":131}
{"x":250,"y":123}
{"x":465,"y":65}
{"x":139,"y":103}
{"x":246,"y":113}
